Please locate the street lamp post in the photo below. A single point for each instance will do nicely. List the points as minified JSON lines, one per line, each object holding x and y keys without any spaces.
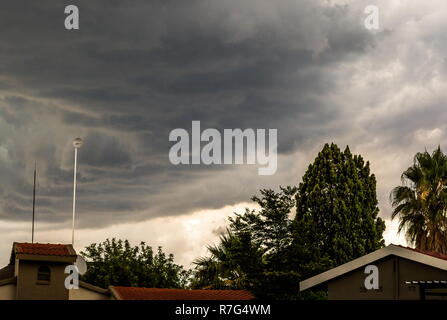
{"x":77,"y":143}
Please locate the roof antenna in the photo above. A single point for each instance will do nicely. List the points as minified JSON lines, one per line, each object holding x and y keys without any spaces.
{"x":34,"y":202}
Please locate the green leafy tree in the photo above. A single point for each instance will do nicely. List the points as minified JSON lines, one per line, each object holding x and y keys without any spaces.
{"x":219,"y":270}
{"x":337,"y":200}
{"x":261,"y":251}
{"x":116,"y":262}
{"x":422,"y":201}
{"x":269,"y":251}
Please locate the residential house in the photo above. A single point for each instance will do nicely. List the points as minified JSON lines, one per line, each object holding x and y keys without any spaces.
{"x":399,"y":273}
{"x":36,"y":271}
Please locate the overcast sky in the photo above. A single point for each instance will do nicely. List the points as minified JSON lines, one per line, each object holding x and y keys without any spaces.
{"x":136,"y":70}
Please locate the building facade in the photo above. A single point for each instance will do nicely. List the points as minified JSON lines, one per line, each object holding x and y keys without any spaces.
{"x":390,"y":273}
{"x":37,"y":271}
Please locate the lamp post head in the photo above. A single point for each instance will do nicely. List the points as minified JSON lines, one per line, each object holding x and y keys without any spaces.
{"x":77,"y":143}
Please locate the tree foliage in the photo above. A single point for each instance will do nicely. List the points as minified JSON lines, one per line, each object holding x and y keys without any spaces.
{"x":219,"y":270}
{"x":337,"y":199}
{"x":331,"y":218}
{"x":261,"y":251}
{"x":421,"y":202}
{"x":116,"y":262}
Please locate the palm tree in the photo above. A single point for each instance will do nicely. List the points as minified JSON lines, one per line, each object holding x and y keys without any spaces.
{"x":217,"y":271}
{"x":421,"y":202}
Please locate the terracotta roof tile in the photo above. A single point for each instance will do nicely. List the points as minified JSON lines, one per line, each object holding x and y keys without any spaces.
{"x":46,"y":249}
{"x":133,"y":293}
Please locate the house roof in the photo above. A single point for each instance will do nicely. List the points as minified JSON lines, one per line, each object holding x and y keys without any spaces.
{"x":430,"y":253}
{"x":7,"y":275}
{"x":133,"y":293}
{"x":7,"y":272}
{"x":94,"y":288}
{"x":429,"y":258}
{"x":35,"y":250}
{"x":44,"y":249}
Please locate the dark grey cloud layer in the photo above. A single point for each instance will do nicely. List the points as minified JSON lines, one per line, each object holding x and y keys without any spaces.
{"x":138,"y":69}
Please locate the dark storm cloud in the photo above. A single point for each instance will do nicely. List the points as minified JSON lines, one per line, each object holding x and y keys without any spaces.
{"x":105,"y":152}
{"x":135,"y":71}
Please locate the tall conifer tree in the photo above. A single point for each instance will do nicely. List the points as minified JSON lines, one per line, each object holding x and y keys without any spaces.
{"x":337,"y":199}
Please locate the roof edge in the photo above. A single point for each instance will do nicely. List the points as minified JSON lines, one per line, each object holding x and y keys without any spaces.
{"x":4,"y":282}
{"x":94,"y":288}
{"x":391,"y":249}
{"x":115,"y":293}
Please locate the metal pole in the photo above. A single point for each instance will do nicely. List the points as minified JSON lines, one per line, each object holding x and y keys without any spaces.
{"x":74,"y":195}
{"x":34,"y":203}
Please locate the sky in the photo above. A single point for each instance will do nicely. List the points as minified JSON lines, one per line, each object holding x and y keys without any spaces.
{"x":136,"y":70}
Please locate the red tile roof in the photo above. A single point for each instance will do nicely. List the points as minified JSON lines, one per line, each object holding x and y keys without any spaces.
{"x":429,"y":253}
{"x":45,"y":249}
{"x":133,"y":293}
